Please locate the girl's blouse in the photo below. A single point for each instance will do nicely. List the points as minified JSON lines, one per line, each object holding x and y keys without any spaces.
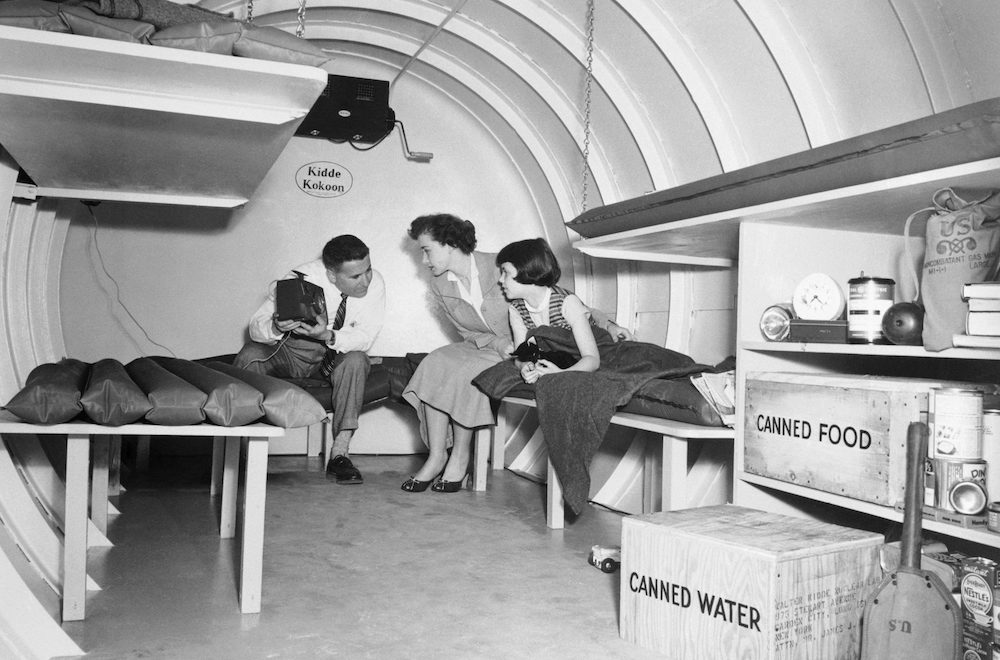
{"x":550,"y":312}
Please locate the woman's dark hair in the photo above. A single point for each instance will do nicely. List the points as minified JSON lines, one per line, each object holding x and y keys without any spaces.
{"x":533,"y":260}
{"x":343,"y":248}
{"x":446,"y":229}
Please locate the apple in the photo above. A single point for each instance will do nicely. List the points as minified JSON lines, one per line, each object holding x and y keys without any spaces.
{"x":903,"y":323}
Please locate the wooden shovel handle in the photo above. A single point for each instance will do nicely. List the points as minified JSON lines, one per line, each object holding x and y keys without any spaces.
{"x":916,"y":452}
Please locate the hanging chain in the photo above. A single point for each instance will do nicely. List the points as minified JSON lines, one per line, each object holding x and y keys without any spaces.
{"x":586,"y":103}
{"x":302,"y":19}
{"x":249,"y":12}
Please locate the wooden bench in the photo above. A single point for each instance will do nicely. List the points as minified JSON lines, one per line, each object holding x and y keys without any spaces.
{"x":84,"y":439}
{"x":674,"y":474}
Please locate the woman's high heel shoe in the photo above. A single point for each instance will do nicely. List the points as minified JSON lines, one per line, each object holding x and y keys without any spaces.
{"x":412,"y":485}
{"x":442,"y":486}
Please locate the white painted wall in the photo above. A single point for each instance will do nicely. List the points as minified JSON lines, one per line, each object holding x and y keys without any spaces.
{"x":191,"y":277}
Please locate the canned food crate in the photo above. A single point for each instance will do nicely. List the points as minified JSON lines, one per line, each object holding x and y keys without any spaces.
{"x":731,"y":582}
{"x":837,"y":433}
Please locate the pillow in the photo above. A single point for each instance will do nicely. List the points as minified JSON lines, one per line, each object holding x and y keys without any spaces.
{"x":207,"y":36}
{"x":111,"y":397}
{"x":675,"y":398}
{"x":230,"y":401}
{"x":173,"y":401}
{"x":285,"y":404}
{"x":51,"y":393}
{"x":161,"y":13}
{"x":33,"y":14}
{"x":85,"y":22}
{"x":270,"y":43}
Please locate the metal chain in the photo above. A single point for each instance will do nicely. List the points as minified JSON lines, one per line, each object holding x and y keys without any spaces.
{"x":249,"y":12}
{"x":586,"y":103}
{"x":302,"y":19}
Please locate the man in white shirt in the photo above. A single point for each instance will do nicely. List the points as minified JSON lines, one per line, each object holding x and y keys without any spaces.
{"x":335,"y":346}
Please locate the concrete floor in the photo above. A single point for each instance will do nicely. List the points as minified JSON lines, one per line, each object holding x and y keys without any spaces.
{"x":365,"y":571}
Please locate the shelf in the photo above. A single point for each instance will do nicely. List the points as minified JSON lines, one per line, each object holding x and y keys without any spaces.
{"x":879,"y":207}
{"x":102,"y":119}
{"x":868,"y":183}
{"x":986,"y":538}
{"x":865,"y":350}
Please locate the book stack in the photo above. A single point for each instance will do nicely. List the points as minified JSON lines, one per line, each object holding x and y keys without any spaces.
{"x":982,"y":322}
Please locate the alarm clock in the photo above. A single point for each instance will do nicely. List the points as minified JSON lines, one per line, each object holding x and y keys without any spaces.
{"x":818,"y":297}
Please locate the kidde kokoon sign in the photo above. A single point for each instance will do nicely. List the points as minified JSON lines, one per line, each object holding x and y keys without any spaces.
{"x":324,"y":179}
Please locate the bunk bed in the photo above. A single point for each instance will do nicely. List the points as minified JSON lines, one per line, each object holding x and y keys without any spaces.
{"x":102,"y":119}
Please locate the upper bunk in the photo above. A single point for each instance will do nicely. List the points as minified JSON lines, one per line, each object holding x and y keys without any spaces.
{"x":99,"y":119}
{"x":870,"y":183}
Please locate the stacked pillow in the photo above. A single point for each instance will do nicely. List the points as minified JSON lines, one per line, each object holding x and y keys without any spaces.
{"x":162,"y":23}
{"x":160,"y":390}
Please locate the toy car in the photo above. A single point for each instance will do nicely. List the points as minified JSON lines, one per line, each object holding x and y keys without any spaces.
{"x":608,"y":559}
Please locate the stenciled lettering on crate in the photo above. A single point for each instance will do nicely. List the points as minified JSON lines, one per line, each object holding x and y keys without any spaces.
{"x":727,"y":581}
{"x":835,"y":433}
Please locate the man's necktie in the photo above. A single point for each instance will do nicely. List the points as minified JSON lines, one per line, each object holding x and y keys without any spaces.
{"x":338,"y":319}
{"x":326,"y":368}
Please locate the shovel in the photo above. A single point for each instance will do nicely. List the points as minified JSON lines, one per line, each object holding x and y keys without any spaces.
{"x":911,"y":615}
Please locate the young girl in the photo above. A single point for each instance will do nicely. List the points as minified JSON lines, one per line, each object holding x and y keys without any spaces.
{"x":528,"y":275}
{"x":574,"y":409}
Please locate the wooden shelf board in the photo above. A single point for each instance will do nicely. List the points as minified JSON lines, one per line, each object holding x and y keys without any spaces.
{"x":986,"y":538}
{"x":102,"y":119}
{"x":879,"y":207}
{"x":870,"y":350}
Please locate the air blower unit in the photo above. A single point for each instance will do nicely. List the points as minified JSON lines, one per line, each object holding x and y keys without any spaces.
{"x":350,"y":109}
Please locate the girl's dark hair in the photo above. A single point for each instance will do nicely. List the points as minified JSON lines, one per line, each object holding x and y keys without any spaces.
{"x":446,"y":229}
{"x":533,"y":260}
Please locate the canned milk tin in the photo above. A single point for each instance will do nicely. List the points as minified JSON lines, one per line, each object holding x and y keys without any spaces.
{"x":993,"y":517}
{"x":867,"y":301}
{"x":947,"y":473}
{"x":956,"y":423}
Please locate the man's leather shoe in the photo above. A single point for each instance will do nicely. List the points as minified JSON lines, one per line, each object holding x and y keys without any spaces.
{"x":343,"y":470}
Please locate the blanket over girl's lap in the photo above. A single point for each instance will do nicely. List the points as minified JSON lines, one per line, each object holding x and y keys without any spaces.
{"x":575,"y":407}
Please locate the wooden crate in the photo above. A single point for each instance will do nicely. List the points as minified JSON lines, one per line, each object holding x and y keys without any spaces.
{"x":836,"y":433}
{"x":730,"y":582}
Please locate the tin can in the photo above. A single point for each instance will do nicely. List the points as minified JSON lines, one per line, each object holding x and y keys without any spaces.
{"x":956,"y":423}
{"x":991,"y":451}
{"x":776,"y":321}
{"x":993,"y":517}
{"x":949,"y":472}
{"x":868,"y":299}
{"x":977,"y":589}
{"x":967,"y":497}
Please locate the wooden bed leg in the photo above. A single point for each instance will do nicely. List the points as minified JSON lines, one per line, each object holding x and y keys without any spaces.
{"x":230,"y":483}
{"x":554,"y":513}
{"x":101,"y":446}
{"x":74,"y":593}
{"x":218,"y":463}
{"x":252,"y":546}
{"x":674,"y":473}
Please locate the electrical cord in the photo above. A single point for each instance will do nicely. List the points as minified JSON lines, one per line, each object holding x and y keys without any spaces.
{"x":118,"y":293}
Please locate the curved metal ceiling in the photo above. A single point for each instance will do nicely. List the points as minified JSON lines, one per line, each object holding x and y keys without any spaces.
{"x":682,"y":90}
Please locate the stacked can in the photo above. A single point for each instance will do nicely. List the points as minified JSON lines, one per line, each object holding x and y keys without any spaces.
{"x":956,"y":470}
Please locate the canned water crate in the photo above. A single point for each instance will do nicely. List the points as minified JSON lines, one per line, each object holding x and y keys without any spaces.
{"x":837,"y":433}
{"x":731,"y":582}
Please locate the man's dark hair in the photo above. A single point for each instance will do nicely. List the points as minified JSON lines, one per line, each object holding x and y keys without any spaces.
{"x":446,"y":229}
{"x":343,"y":248}
{"x":533,"y":260}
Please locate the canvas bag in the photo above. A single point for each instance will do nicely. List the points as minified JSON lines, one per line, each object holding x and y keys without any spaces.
{"x":962,"y":245}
